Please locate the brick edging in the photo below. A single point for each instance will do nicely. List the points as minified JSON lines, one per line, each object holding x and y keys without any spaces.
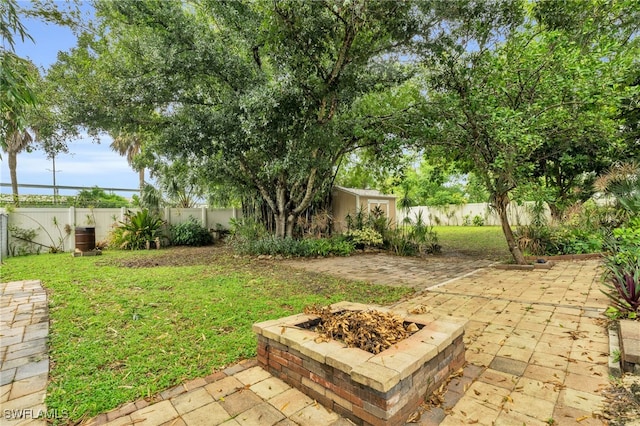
{"x":585,"y":256}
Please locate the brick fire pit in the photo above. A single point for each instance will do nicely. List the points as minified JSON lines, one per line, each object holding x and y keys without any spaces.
{"x":382,"y":389}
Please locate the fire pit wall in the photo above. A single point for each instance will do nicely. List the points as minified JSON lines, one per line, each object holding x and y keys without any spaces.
{"x":382,"y":389}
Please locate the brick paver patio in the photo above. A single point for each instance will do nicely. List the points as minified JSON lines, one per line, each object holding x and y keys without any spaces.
{"x":24,"y":370}
{"x":535,"y":347}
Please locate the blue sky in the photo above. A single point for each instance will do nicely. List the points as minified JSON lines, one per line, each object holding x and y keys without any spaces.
{"x":87,"y":164}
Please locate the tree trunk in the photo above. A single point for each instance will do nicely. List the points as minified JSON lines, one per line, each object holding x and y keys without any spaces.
{"x":141,"y":179}
{"x":501,"y":202}
{"x":290,"y":224}
{"x":13,"y":164}
{"x":281,"y":213}
{"x":281,"y":225}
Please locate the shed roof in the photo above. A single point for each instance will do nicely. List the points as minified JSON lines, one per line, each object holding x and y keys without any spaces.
{"x":364,"y":192}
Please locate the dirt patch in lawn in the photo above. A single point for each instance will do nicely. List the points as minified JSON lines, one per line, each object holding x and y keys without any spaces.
{"x":174,"y":256}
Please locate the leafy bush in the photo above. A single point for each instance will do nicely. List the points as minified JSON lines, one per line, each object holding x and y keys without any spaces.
{"x":583,"y":231}
{"x":289,"y":247}
{"x":190,"y":233}
{"x":624,"y":243}
{"x":577,"y":241}
{"x":247,"y":228}
{"x":478,"y":220}
{"x":137,"y":231}
{"x":367,"y":237}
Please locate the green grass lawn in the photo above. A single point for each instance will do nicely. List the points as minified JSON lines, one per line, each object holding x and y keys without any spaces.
{"x":478,"y":241}
{"x":127,"y":325}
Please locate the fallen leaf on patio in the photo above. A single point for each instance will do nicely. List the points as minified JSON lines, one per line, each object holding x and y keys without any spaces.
{"x":579,"y":419}
{"x":284,"y":406}
{"x":414,"y":418}
{"x":418,"y":310}
{"x":476,"y":392}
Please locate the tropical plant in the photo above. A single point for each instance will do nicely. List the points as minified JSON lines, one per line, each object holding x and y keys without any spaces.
{"x":622,"y":283}
{"x":138,"y":231}
{"x":130,"y":145}
{"x":623,"y":182}
{"x":23,"y":241}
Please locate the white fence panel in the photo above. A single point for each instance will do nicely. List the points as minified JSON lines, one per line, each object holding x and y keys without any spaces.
{"x":55,"y":227}
{"x":217,"y":218}
{"x":461,"y":214}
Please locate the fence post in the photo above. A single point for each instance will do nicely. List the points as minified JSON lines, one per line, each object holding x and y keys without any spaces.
{"x":167,"y":215}
{"x":72,"y":222}
{"x":203,"y":217}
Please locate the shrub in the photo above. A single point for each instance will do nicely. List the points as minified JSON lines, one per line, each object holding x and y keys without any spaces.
{"x":478,"y":220}
{"x":137,"y":231}
{"x":190,"y":233}
{"x":289,"y":247}
{"x":367,"y":237}
{"x":577,"y":241}
{"x":624,"y":243}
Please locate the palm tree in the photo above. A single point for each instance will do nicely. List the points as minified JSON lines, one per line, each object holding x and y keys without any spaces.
{"x":623,"y":182}
{"x":130,"y":145}
{"x":17,"y":140}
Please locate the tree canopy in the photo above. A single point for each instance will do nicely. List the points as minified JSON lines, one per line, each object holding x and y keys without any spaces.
{"x":267,"y":98}
{"x":257,"y":94}
{"x":542,"y":102}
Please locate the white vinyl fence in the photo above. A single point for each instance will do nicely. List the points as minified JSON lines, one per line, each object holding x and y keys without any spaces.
{"x":466,"y":214}
{"x":55,"y":227}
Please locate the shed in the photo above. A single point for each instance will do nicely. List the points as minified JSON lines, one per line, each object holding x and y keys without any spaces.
{"x":351,"y":200}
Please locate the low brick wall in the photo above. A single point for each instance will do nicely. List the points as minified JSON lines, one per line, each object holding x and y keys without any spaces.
{"x":383,"y":389}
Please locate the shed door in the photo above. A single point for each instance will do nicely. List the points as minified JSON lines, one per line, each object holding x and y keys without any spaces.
{"x":383,"y":205}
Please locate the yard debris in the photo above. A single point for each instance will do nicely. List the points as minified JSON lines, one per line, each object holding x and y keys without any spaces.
{"x":420,"y":309}
{"x":372,"y":331}
{"x":622,"y":401}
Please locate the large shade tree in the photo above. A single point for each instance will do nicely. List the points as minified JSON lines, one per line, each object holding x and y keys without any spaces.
{"x":259,"y":95}
{"x":500,"y":103}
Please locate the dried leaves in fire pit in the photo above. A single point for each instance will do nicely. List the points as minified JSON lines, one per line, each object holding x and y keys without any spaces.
{"x":372,"y":331}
